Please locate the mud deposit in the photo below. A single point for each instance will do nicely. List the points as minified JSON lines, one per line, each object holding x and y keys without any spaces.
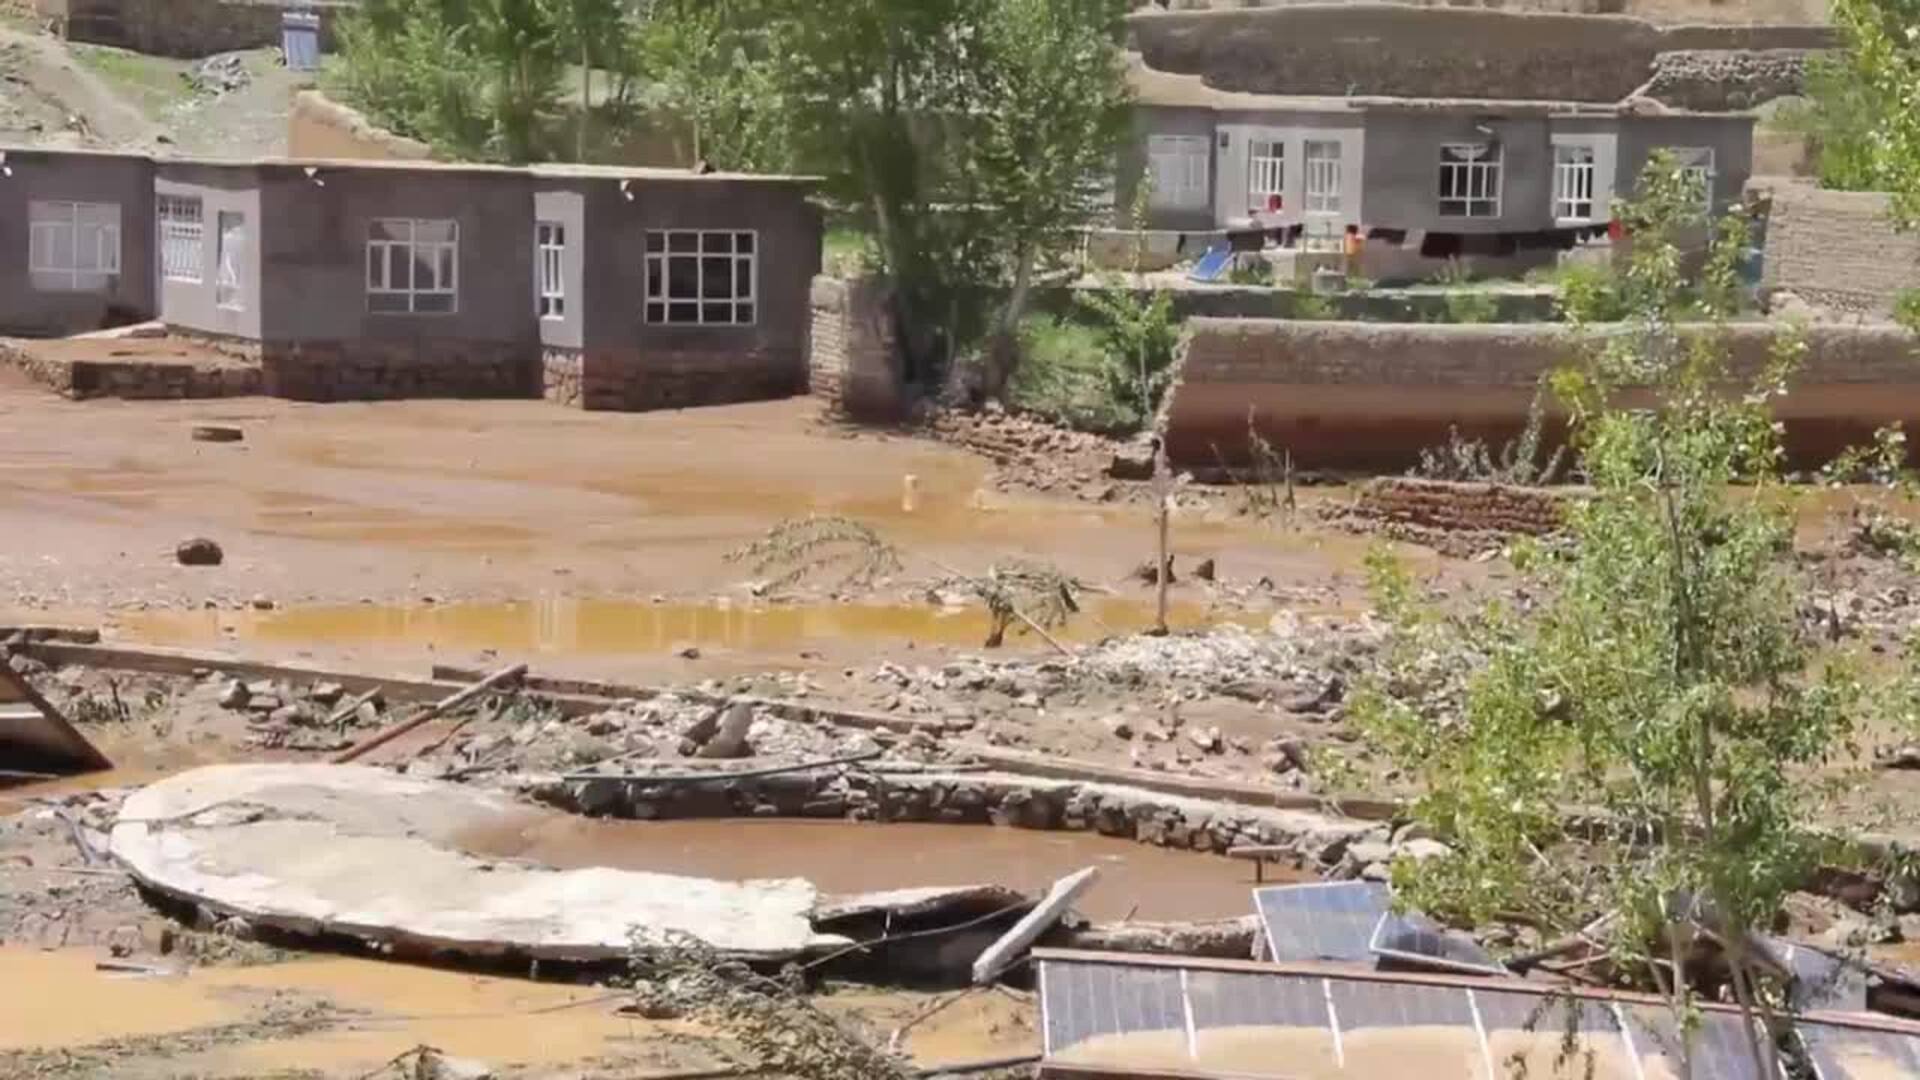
{"x":1136,"y":880}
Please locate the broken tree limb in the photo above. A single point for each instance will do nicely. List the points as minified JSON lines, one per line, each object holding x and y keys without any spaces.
{"x":1001,"y":954}
{"x":455,"y":701}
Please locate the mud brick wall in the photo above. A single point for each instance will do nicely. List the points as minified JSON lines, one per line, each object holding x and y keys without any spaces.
{"x":382,"y":370}
{"x":1713,"y":80}
{"x":320,"y":127}
{"x":188,"y":28}
{"x":851,"y":357}
{"x":1838,"y":249}
{"x":1461,"y":507}
{"x":1406,"y":51}
{"x":1373,"y":395}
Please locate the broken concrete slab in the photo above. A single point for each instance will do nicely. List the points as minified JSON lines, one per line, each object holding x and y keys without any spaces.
{"x":1002,"y":953}
{"x":312,"y":849}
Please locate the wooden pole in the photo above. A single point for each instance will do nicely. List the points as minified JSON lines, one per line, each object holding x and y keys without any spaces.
{"x":428,"y":713}
{"x":1163,"y":510}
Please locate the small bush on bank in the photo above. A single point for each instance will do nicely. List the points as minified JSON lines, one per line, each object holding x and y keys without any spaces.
{"x":1062,"y":377}
{"x":1472,"y":307}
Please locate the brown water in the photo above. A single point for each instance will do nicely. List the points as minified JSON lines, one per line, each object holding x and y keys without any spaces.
{"x":1136,"y":880}
{"x":585,"y":625}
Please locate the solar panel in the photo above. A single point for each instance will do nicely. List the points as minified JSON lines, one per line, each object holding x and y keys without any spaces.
{"x":1719,"y":1044}
{"x":1844,"y":1053}
{"x":1321,"y":920}
{"x":1212,"y":264}
{"x":1230,"y":999}
{"x":1415,"y":940}
{"x":1361,"y":1005}
{"x":1821,"y":980}
{"x":1079,"y":1002}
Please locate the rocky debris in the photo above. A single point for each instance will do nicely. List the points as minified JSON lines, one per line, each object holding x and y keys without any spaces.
{"x":220,"y":74}
{"x":730,"y":740}
{"x":198,"y":551}
{"x":1031,"y":454}
{"x":284,"y":715}
{"x":1904,"y":757}
{"x":215,"y":433}
{"x":1132,"y":460}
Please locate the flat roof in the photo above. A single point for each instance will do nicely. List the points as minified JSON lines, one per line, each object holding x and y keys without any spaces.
{"x":544,"y":170}
{"x":1167,"y":89}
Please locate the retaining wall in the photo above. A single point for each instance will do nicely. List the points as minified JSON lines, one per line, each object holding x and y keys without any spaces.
{"x":852,"y":361}
{"x":320,"y":127}
{"x":371,"y":370}
{"x":217,"y":372}
{"x":661,"y":378}
{"x":1373,"y":395}
{"x":1837,"y":249}
{"x":1403,"y":51}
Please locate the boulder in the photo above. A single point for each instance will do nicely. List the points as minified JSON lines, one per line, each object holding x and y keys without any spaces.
{"x":199,"y":551}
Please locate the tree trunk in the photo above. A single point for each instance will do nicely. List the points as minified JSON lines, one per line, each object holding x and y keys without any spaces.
{"x":586,"y":100}
{"x":1004,"y":350}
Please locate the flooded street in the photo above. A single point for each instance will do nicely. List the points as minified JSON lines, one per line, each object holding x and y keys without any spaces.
{"x":1136,"y":880}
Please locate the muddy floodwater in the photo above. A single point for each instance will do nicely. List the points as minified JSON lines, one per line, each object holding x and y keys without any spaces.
{"x":562,"y":624}
{"x":1136,"y":880}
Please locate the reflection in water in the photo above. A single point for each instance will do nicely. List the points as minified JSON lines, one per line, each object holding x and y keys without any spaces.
{"x":849,"y":857}
{"x":577,"y":625}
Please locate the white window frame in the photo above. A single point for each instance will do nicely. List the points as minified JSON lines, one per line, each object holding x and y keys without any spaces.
{"x":550,"y":269}
{"x":1576,"y":182}
{"x":230,"y":244}
{"x":1323,"y":168}
{"x":1698,"y":161}
{"x":51,"y":221}
{"x":1482,"y":168}
{"x":668,"y":249}
{"x":387,"y":237}
{"x":1181,"y":167}
{"x":183,"y":243}
{"x":1266,"y":172}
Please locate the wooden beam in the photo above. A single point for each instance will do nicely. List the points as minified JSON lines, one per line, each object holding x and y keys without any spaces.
{"x":50,"y":733}
{"x":504,"y":675}
{"x":1001,"y":954}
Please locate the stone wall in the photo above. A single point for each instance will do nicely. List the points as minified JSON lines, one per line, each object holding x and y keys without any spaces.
{"x":1373,"y":395}
{"x":320,"y":127}
{"x":1320,"y":841}
{"x":1837,"y":249}
{"x":1774,"y":12}
{"x":370,"y":370}
{"x":132,"y":378}
{"x":1716,"y":80}
{"x":658,"y":378}
{"x":187,"y":28}
{"x":852,"y":363}
{"x":1395,"y":50}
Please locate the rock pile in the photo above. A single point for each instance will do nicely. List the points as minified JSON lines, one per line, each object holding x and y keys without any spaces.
{"x":1032,"y":454}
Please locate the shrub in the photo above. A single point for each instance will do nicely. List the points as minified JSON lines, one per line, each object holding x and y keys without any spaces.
{"x":1472,"y":307}
{"x":1062,"y":377}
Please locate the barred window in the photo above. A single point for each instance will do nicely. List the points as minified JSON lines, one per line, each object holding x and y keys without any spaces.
{"x":701,"y":277}
{"x":413,"y":267}
{"x":182,"y":238}
{"x":1470,"y":180}
{"x":549,"y":245}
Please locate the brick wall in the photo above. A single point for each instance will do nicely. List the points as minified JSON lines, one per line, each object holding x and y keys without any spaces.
{"x":1837,"y":249}
{"x":1373,"y":395}
{"x":851,"y":358}
{"x":381,"y":370}
{"x":1450,"y":506}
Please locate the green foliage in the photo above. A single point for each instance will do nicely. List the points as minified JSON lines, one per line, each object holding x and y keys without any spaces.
{"x":1474,"y":306}
{"x":1139,"y":334}
{"x":1835,"y":117}
{"x":1250,"y":272}
{"x":1906,"y":309}
{"x":1880,"y":79}
{"x":1032,"y":593}
{"x":475,"y":78}
{"x":1660,"y":679}
{"x":1588,"y":293}
{"x":1313,"y":307}
{"x":1062,"y":376}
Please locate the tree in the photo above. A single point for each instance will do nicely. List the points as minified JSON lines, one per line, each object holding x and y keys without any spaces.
{"x":1882,"y":60}
{"x":1053,"y":109}
{"x":595,"y":33}
{"x":1659,"y":678}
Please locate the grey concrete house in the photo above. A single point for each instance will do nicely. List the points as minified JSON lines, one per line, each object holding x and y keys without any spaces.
{"x":603,"y":288}
{"x":1220,"y":159}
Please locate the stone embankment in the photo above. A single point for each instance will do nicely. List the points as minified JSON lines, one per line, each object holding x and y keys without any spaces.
{"x":1454,"y":515}
{"x":133,"y":370}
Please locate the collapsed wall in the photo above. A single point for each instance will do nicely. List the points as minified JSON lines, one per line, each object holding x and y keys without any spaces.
{"x":1837,"y":250}
{"x":1404,"y":51}
{"x":1372,"y":396}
